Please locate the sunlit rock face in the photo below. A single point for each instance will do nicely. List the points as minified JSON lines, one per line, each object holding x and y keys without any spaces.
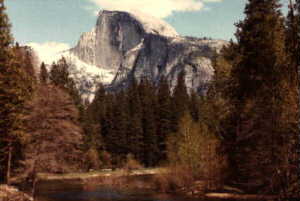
{"x":137,"y":46}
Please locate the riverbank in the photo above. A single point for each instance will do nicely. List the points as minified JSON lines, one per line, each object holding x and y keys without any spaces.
{"x":125,"y":179}
{"x":101,"y":173}
{"x":197,"y":190}
{"x":135,"y":180}
{"x":240,"y":197}
{"x":9,"y":193}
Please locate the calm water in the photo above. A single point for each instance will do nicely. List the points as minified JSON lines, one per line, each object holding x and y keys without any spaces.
{"x":109,"y":195}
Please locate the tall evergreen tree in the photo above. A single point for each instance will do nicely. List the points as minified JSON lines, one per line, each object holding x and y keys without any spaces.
{"x":194,"y":106}
{"x":148,"y":102}
{"x":59,"y":73}
{"x":292,"y":43}
{"x":94,"y":120}
{"x":107,"y":124}
{"x":44,"y":76}
{"x":135,"y":129}
{"x":13,"y":94}
{"x":163,"y":116}
{"x":116,"y":139}
{"x":260,"y":76}
{"x":293,"y":52}
{"x":60,"y":76}
{"x":217,"y":109}
{"x":180,"y":100}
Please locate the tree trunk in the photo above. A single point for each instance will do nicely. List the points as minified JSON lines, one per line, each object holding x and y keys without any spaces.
{"x":34,"y":179}
{"x":8,"y":173}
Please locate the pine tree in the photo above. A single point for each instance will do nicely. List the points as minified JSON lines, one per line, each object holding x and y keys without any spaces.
{"x":60,"y":76}
{"x":116,"y":139}
{"x":293,"y":52}
{"x":260,"y":78}
{"x":180,"y":100}
{"x":28,"y":63}
{"x":44,"y":76}
{"x":135,"y":129}
{"x":59,"y":73}
{"x":292,"y":44}
{"x":107,"y":124}
{"x":298,"y":39}
{"x":148,"y":102}
{"x":163,"y":116}
{"x":98,"y":106}
{"x":94,"y":119}
{"x":194,"y":106}
{"x":216,"y":108}
{"x":56,"y":137}
{"x":13,"y":94}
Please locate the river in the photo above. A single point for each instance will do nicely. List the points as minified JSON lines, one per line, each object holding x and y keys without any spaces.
{"x":106,"y":194}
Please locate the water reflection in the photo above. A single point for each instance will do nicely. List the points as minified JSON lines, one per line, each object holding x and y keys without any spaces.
{"x":109,"y":195}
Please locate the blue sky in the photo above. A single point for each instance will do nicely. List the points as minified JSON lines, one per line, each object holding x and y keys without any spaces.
{"x":63,"y":21}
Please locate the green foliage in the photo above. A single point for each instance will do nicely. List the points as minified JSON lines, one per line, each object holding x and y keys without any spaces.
{"x":163,"y":116}
{"x":60,"y":76}
{"x":56,"y":136}
{"x":135,"y":129}
{"x":137,"y":120}
{"x":44,"y":76}
{"x":195,"y":149}
{"x":262,"y":95}
{"x":148,"y":102}
{"x":194,"y":106}
{"x":184,"y":146}
{"x":293,"y":55}
{"x":216,"y":108}
{"x":180,"y":99}
{"x":131,"y":164}
{"x":59,"y":73}
{"x":93,"y":159}
{"x":93,"y":119}
{"x":15,"y":89}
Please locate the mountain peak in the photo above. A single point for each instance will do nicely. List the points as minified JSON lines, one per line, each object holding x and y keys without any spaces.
{"x":149,"y":23}
{"x":126,"y":45}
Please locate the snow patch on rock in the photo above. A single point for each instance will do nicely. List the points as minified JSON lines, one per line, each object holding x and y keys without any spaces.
{"x":154,"y":25}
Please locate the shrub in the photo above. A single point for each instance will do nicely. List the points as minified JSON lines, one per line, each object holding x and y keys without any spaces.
{"x":131,"y":163}
{"x":193,"y":155}
{"x":105,"y":159}
{"x":175,"y":178}
{"x":93,"y":159}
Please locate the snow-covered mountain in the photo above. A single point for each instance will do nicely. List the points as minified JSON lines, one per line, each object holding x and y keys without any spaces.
{"x":125,"y":45}
{"x":135,"y":45}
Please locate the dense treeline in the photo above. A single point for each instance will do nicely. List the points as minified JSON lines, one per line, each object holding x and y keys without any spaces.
{"x":261,"y":92}
{"x":16,"y":86}
{"x":137,"y":120}
{"x":39,"y":115}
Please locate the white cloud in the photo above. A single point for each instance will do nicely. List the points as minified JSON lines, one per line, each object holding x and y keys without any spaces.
{"x":212,"y":0}
{"x":157,"y":8}
{"x":49,"y":52}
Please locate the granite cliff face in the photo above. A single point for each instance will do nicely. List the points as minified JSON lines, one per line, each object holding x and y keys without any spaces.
{"x":134,"y":45}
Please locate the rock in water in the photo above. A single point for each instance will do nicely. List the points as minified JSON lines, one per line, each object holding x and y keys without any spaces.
{"x":128,"y":45}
